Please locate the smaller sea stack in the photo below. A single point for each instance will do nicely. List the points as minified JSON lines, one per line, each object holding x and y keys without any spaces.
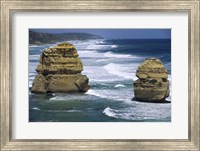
{"x":153,"y":83}
{"x":60,"y":71}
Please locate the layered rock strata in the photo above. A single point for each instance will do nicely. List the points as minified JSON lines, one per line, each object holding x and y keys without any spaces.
{"x":60,"y":71}
{"x":153,"y":83}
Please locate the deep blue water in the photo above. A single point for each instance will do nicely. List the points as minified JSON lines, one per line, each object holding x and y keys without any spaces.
{"x":111,"y":66}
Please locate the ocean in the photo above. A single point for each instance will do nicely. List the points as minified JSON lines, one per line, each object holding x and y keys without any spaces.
{"x":111,"y":67}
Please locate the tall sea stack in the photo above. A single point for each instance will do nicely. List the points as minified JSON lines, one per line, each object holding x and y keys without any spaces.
{"x":153,"y":84}
{"x":60,"y":71}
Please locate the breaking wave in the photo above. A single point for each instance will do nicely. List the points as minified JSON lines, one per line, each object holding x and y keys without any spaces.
{"x":35,"y":108}
{"x":113,"y":55}
{"x":109,"y":112}
{"x":119,"y":70}
{"x":93,"y":92}
{"x":119,"y":85}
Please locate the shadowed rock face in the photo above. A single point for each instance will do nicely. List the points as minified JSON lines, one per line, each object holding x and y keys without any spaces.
{"x":152,"y":84}
{"x":60,"y":71}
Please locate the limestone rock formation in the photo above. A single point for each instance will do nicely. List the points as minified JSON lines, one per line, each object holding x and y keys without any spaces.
{"x":153,"y":84}
{"x":60,"y":71}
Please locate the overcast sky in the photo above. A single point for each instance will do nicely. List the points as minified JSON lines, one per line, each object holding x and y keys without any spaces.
{"x":116,"y":33}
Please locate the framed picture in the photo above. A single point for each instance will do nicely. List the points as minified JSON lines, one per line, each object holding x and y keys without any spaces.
{"x":99,"y":75}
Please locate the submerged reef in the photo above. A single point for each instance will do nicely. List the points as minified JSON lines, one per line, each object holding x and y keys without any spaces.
{"x":152,"y":84}
{"x":60,"y":71}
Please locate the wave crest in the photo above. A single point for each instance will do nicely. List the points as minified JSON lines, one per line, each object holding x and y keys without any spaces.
{"x":119,"y":85}
{"x":114,"y":55}
{"x":92,"y":92}
{"x":118,"y":70}
{"x":109,"y":112}
{"x":35,"y":108}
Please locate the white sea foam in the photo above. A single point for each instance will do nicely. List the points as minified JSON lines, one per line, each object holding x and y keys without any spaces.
{"x":109,"y":112}
{"x":93,"y":92}
{"x":30,"y":84}
{"x":120,"y":114}
{"x":33,"y":46}
{"x":114,"y":55}
{"x":107,"y":80}
{"x":114,"y":46}
{"x":31,"y":78}
{"x":67,"y":97}
{"x":119,"y":85}
{"x":98,"y":47}
{"x":56,"y":98}
{"x":68,"y":111}
{"x":82,"y":45}
{"x":140,"y":111}
{"x":169,"y":97}
{"x":170,"y":86}
{"x":103,"y":60}
{"x":35,"y":108}
{"x":119,"y":70}
{"x":93,"y":45}
{"x":169,"y":77}
{"x":90,"y":54}
{"x":112,"y":95}
{"x":74,"y":111}
{"x":100,"y":42}
{"x":61,"y":97}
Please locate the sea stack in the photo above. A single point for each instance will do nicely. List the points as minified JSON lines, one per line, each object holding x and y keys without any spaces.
{"x":60,"y":70}
{"x":153,"y":83}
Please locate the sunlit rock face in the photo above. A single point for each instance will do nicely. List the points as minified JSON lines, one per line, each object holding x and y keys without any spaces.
{"x":152,"y":84}
{"x":60,"y":70}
